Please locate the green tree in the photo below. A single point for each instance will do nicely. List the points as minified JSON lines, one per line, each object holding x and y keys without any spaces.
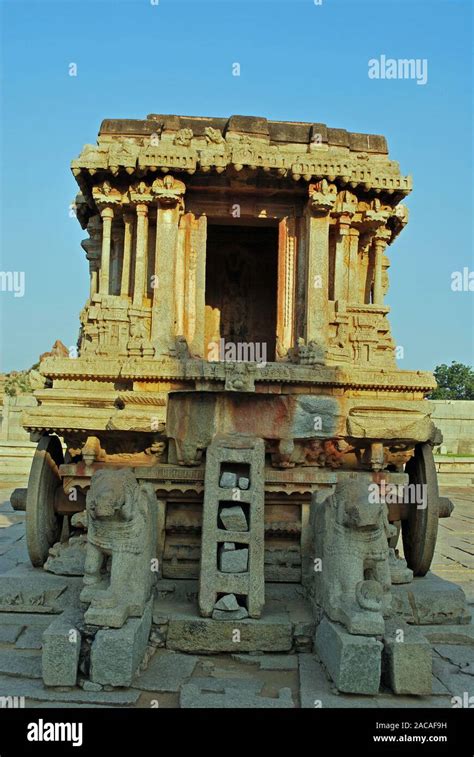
{"x":455,"y":382}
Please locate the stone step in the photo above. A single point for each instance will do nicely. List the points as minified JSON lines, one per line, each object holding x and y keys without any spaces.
{"x":187,"y":632}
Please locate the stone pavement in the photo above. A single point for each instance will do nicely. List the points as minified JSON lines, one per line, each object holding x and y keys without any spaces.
{"x":454,"y":556}
{"x":175,"y":679}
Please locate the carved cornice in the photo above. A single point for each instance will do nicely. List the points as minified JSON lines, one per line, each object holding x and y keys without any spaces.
{"x":215,"y":153}
{"x":194,"y":370}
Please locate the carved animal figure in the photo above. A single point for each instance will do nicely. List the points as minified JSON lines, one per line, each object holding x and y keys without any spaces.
{"x":121,"y":526}
{"x":351,"y":538}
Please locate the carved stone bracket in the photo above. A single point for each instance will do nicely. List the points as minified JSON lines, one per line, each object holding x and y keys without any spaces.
{"x":105,"y":195}
{"x":168,"y":191}
{"x":322,"y":196}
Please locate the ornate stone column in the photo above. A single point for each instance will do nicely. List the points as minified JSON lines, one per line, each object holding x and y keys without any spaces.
{"x":127,"y":253}
{"x":381,"y":239}
{"x":94,"y":274}
{"x":375,"y":236}
{"x":107,"y":215}
{"x":92,"y":247}
{"x":286,"y":286}
{"x":169,"y":193}
{"x":106,"y":197}
{"x":198,"y":241}
{"x":141,"y":197}
{"x":344,"y":209}
{"x":322,"y":198}
{"x":116,"y":256}
{"x":353,"y":286}
{"x":140,"y":254}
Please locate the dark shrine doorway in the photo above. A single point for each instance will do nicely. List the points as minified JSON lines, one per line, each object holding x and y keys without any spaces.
{"x":241,"y":287}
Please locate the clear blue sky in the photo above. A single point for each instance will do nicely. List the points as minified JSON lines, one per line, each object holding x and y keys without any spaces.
{"x":299,"y":61}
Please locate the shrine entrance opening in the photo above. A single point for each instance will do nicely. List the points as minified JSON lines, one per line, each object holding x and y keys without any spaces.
{"x":241,"y":290}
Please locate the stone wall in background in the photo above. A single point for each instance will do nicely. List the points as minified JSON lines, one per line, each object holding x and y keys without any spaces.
{"x":455,"y":418}
{"x":16,"y":450}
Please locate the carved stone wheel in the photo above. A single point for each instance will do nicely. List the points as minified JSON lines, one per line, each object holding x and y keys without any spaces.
{"x":420,"y":530}
{"x":43,"y":526}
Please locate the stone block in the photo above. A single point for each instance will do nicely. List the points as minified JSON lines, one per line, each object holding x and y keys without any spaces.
{"x":117,"y":653}
{"x":233,"y":518}
{"x":271,"y":633}
{"x":430,"y":601}
{"x":234,"y":561}
{"x":91,"y":686}
{"x":353,"y":662}
{"x":227,"y":602}
{"x":317,"y":690}
{"x":407,"y":663}
{"x":61,"y":648}
{"x":238,"y":614}
{"x":67,"y":559}
{"x":228,"y":480}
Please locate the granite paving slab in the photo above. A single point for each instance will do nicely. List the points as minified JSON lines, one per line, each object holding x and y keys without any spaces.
{"x":167,"y":671}
{"x":35,"y":690}
{"x":31,"y":638}
{"x":10,"y":633}
{"x":23,"y":663}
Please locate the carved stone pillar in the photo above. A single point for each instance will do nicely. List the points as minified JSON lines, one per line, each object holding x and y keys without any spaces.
{"x":322,"y":199}
{"x":286,"y":286}
{"x":198,"y":240}
{"x":365,"y":266}
{"x":92,"y":246}
{"x":107,"y":215}
{"x":140,"y":254}
{"x":116,"y":256}
{"x":94,"y":278}
{"x":380,"y":242}
{"x":179,"y":283}
{"x":127,"y":253}
{"x":169,"y":193}
{"x":344,"y":209}
{"x":373,"y":225}
{"x":341,"y":259}
{"x":106,"y":197}
{"x":353,"y":270}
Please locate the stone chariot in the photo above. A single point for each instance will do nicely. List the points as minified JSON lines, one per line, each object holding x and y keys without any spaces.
{"x":235,"y":355}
